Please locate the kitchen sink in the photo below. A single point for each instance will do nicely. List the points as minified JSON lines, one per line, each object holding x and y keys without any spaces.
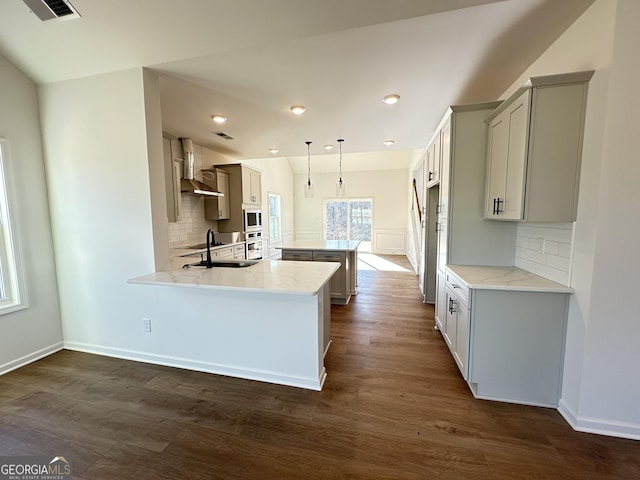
{"x":223,"y":263}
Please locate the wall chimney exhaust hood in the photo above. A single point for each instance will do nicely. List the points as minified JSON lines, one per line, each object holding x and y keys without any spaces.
{"x":188,"y":184}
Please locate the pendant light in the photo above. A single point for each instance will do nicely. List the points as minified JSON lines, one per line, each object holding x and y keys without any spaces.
{"x":340,"y":186}
{"x":308,"y":188}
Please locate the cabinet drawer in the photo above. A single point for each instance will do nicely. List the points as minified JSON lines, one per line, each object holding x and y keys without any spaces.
{"x":329,"y":256}
{"x":238,"y":248}
{"x":300,"y":255}
{"x":224,"y":252}
{"x":458,"y":287}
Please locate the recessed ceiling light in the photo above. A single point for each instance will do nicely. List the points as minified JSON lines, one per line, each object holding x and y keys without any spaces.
{"x":391,"y":99}
{"x":298,"y":109}
{"x":389,"y":142}
{"x":328,"y":147}
{"x":273,"y":150}
{"x":219,"y":118}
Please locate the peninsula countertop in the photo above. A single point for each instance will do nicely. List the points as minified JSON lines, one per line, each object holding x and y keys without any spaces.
{"x":505,"y":278}
{"x":266,"y":276}
{"x":344,"y":245}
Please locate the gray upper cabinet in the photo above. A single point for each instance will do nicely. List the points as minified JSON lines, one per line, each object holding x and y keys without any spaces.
{"x":534,"y":150}
{"x":251,"y":186}
{"x":172,"y":160}
{"x":218,"y":208}
{"x":245,"y":191}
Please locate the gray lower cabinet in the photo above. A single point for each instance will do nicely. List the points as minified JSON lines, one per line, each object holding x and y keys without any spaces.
{"x":517,"y":346}
{"x":508,"y":344}
{"x":340,"y":287}
{"x":441,"y":301}
{"x":339,"y":281}
{"x":456,"y":325}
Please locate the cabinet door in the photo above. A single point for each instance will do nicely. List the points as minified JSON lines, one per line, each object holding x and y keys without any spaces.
{"x":445,"y":169}
{"x":461,"y":351}
{"x":219,"y":208}
{"x":224,"y":210}
{"x":441,"y":302}
{"x":497,"y":155}
{"x":507,"y":161}
{"x":450,"y":326}
{"x":256,"y":186}
{"x":433,"y":155}
{"x":251,"y":186}
{"x":339,"y":284}
{"x":442,"y":228}
{"x":172,"y":181}
{"x":517,"y":158}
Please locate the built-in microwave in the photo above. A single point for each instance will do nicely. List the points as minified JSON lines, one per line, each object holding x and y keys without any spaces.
{"x":252,"y":220}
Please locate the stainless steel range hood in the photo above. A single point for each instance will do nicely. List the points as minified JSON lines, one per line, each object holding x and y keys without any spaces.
{"x":188,"y":184}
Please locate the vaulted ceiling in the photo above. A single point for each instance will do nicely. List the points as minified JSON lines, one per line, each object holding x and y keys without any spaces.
{"x":250,"y":60}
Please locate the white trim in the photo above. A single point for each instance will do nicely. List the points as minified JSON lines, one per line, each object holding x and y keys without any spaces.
{"x":599,"y":426}
{"x":394,"y":241}
{"x":307,"y":235}
{"x":10,"y":252}
{"x":30,"y":358}
{"x":228,"y":370}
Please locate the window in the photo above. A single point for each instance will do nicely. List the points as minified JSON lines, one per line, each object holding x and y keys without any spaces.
{"x":11,"y":296}
{"x":275,"y":218}
{"x":350,"y":219}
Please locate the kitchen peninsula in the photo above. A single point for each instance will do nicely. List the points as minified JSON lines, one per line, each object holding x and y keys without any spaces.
{"x":345,"y":281}
{"x":269,"y":321}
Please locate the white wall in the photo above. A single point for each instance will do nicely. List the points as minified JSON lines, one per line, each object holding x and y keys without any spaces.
{"x":599,"y":392}
{"x":610,"y":392}
{"x":387,"y":188}
{"x":97,"y":158}
{"x":36,"y":331}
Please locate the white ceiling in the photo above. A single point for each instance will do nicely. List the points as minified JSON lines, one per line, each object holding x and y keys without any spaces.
{"x":252,"y":59}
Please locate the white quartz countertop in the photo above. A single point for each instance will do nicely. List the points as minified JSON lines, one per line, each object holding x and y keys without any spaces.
{"x":266,"y":276}
{"x":505,"y":278}
{"x":348,"y":245}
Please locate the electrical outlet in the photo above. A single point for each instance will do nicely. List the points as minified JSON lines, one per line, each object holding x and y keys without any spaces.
{"x":146,"y":325}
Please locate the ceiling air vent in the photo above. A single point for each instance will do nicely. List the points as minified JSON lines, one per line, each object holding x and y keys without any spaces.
{"x":224,"y":135}
{"x":52,"y":9}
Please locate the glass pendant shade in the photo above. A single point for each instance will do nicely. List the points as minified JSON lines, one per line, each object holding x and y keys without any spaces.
{"x":308,"y":190}
{"x":341,"y":189}
{"x":308,"y":187}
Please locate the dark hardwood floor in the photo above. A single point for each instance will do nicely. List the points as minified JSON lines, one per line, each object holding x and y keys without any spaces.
{"x":393,"y":407}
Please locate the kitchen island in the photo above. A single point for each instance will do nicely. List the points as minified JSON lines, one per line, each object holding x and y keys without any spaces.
{"x":345,"y":281}
{"x":269,"y":321}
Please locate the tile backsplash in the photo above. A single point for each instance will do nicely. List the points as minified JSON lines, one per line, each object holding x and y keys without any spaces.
{"x":545,"y":249}
{"x":192,"y":226}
